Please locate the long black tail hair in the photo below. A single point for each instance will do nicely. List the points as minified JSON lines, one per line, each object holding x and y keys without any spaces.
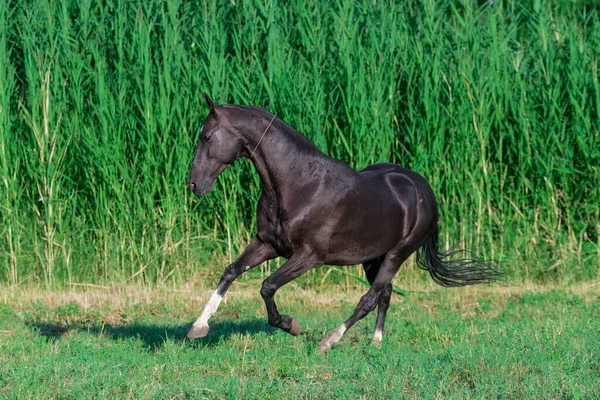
{"x":450,"y":272}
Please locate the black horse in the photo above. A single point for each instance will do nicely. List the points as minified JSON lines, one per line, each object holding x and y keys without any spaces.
{"x":316,"y":210}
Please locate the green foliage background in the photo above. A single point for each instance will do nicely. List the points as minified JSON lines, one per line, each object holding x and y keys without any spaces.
{"x":100,"y":107}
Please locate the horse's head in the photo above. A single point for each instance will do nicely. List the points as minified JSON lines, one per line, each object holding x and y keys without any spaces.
{"x":219,"y":145}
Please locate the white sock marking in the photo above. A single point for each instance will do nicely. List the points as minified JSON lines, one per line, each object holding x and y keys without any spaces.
{"x":332,"y":339}
{"x":336,"y":335}
{"x":339,"y":332}
{"x":378,"y":335}
{"x":209,"y":309}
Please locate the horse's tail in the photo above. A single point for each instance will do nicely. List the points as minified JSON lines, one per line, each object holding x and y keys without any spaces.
{"x":454,"y":272}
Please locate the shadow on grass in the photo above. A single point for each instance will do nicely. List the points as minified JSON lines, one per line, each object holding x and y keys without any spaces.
{"x":154,"y":336}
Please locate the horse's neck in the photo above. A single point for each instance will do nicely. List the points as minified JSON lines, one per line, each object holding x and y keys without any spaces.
{"x":285,"y":161}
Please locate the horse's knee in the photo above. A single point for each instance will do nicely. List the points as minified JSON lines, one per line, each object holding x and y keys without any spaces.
{"x":267,"y":290}
{"x":229,"y":274}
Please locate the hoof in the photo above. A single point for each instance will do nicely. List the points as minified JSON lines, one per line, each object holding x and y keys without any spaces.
{"x":295,"y":326}
{"x":376,"y":343}
{"x":323,"y":347}
{"x":333,"y":338}
{"x":196,"y":332}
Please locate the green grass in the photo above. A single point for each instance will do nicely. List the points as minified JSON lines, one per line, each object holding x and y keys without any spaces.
{"x":528,"y":342}
{"x":100,"y":107}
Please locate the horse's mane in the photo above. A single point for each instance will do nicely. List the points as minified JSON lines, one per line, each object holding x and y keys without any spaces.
{"x":283,"y":127}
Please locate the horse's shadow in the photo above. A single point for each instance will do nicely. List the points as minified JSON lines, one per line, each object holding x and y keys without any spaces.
{"x":154,"y":336}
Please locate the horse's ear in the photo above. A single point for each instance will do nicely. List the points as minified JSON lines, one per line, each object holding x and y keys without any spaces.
{"x":210,"y":103}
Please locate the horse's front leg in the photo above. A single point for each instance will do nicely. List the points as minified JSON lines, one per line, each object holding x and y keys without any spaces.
{"x":300,"y":262}
{"x":257,"y":252}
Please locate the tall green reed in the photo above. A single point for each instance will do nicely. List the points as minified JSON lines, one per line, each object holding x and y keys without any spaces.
{"x":9,"y":166}
{"x":100,"y":108}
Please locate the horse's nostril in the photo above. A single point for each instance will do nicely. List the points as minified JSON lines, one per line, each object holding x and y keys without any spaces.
{"x":192,"y":186}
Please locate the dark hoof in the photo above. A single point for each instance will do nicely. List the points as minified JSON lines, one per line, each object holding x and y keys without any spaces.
{"x":196,"y":332}
{"x":294,"y":326}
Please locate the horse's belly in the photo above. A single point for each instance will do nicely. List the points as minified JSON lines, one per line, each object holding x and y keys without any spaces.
{"x":365,"y":237}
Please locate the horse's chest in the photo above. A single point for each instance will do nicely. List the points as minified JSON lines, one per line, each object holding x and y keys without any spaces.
{"x":273,"y":229}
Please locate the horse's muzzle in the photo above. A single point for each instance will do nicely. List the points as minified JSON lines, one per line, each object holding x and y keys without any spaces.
{"x":200,"y":190}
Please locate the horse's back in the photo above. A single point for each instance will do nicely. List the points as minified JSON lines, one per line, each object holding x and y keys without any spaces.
{"x":398,"y":176}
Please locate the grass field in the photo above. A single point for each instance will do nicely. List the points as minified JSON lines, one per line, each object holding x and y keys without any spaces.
{"x":517,"y":342}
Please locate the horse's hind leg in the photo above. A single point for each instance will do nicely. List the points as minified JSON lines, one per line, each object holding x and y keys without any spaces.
{"x":389,"y":267}
{"x":382,"y":306}
{"x":383,"y":303}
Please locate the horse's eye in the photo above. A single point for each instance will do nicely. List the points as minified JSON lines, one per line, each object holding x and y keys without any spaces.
{"x":205,"y":139}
